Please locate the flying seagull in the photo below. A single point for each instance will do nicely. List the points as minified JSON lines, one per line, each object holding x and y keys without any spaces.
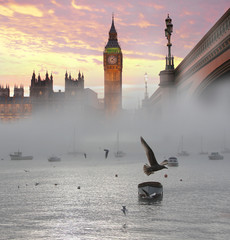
{"x":106,"y":152}
{"x":124,"y":209}
{"x":154,"y":166}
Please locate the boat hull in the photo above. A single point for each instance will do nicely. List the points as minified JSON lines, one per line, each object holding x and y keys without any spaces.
{"x":21,"y":158}
{"x":54,"y":159}
{"x":215,"y":156}
{"x":173,"y":164}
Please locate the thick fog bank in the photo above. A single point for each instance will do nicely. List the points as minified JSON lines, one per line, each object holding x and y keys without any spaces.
{"x":47,"y":132}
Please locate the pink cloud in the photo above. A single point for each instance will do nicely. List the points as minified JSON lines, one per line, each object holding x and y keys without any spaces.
{"x":153,"y":5}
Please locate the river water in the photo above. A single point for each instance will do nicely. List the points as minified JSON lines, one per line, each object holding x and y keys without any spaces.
{"x":82,"y":199}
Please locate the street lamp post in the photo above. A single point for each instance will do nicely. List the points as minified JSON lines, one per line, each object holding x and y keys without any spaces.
{"x":146,"y":86}
{"x":168,"y":33}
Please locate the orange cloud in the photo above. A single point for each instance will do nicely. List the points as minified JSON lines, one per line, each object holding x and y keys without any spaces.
{"x":26,"y":9}
{"x":154,"y":5}
{"x":188,"y":46}
{"x":51,"y":11}
{"x":188,"y":13}
{"x":6,"y":11}
{"x":87,"y":8}
{"x":55,"y":3}
{"x":158,"y":7}
{"x":142,"y":23}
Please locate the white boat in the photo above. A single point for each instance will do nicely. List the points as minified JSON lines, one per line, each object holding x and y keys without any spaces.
{"x":118,"y":153}
{"x":18,"y":156}
{"x":173,"y":162}
{"x":54,"y":159}
{"x":215,"y":156}
{"x":150,"y":191}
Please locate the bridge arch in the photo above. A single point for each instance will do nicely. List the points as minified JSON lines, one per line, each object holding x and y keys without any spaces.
{"x":217,"y":77}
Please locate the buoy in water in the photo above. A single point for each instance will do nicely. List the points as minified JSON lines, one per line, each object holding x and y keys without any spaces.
{"x":166,"y":175}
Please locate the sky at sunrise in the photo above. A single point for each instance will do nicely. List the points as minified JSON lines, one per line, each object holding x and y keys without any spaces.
{"x":60,"y":35}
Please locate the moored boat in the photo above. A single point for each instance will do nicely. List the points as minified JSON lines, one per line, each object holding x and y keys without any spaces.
{"x":215,"y":156}
{"x":54,"y":159}
{"x":18,"y":156}
{"x":183,"y":153}
{"x":119,"y":154}
{"x":150,"y":191}
{"x":173,"y":162}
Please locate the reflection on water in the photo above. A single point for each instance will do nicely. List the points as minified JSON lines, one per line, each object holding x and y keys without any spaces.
{"x":56,"y":208}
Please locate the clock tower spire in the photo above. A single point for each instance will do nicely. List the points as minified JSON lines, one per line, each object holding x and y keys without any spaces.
{"x":112,"y":73}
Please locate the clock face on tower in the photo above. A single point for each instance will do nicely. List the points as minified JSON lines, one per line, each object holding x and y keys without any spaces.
{"x":112,"y":59}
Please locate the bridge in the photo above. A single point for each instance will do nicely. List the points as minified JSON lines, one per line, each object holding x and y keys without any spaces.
{"x":205,"y":66}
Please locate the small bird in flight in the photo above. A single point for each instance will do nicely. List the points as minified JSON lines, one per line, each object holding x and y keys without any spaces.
{"x":154,"y":166}
{"x":124,"y":209}
{"x":106,"y":152}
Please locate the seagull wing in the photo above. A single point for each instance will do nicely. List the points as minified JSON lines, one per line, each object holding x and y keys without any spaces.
{"x":146,"y":193}
{"x":149,"y":153}
{"x":165,"y":162}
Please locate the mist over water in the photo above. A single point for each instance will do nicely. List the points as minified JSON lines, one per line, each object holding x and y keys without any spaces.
{"x":195,"y":208}
{"x":55,"y":132}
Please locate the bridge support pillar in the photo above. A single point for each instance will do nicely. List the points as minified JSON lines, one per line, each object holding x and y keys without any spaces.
{"x":168,"y":89}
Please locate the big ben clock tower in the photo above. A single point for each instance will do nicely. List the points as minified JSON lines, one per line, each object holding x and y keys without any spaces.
{"x":112,"y":73}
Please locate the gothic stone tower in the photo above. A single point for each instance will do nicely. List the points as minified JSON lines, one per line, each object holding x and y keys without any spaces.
{"x":41,"y":89}
{"x":112,"y":73}
{"x":74,"y":86}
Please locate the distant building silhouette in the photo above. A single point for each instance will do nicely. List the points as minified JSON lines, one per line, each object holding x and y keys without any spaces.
{"x":4,"y":92}
{"x":41,"y":88}
{"x":73,"y":86}
{"x":18,"y":91}
{"x":43,"y":97}
{"x":15,"y":107}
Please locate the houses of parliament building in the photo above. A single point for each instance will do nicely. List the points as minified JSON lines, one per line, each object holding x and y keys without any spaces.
{"x":42,"y":95}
